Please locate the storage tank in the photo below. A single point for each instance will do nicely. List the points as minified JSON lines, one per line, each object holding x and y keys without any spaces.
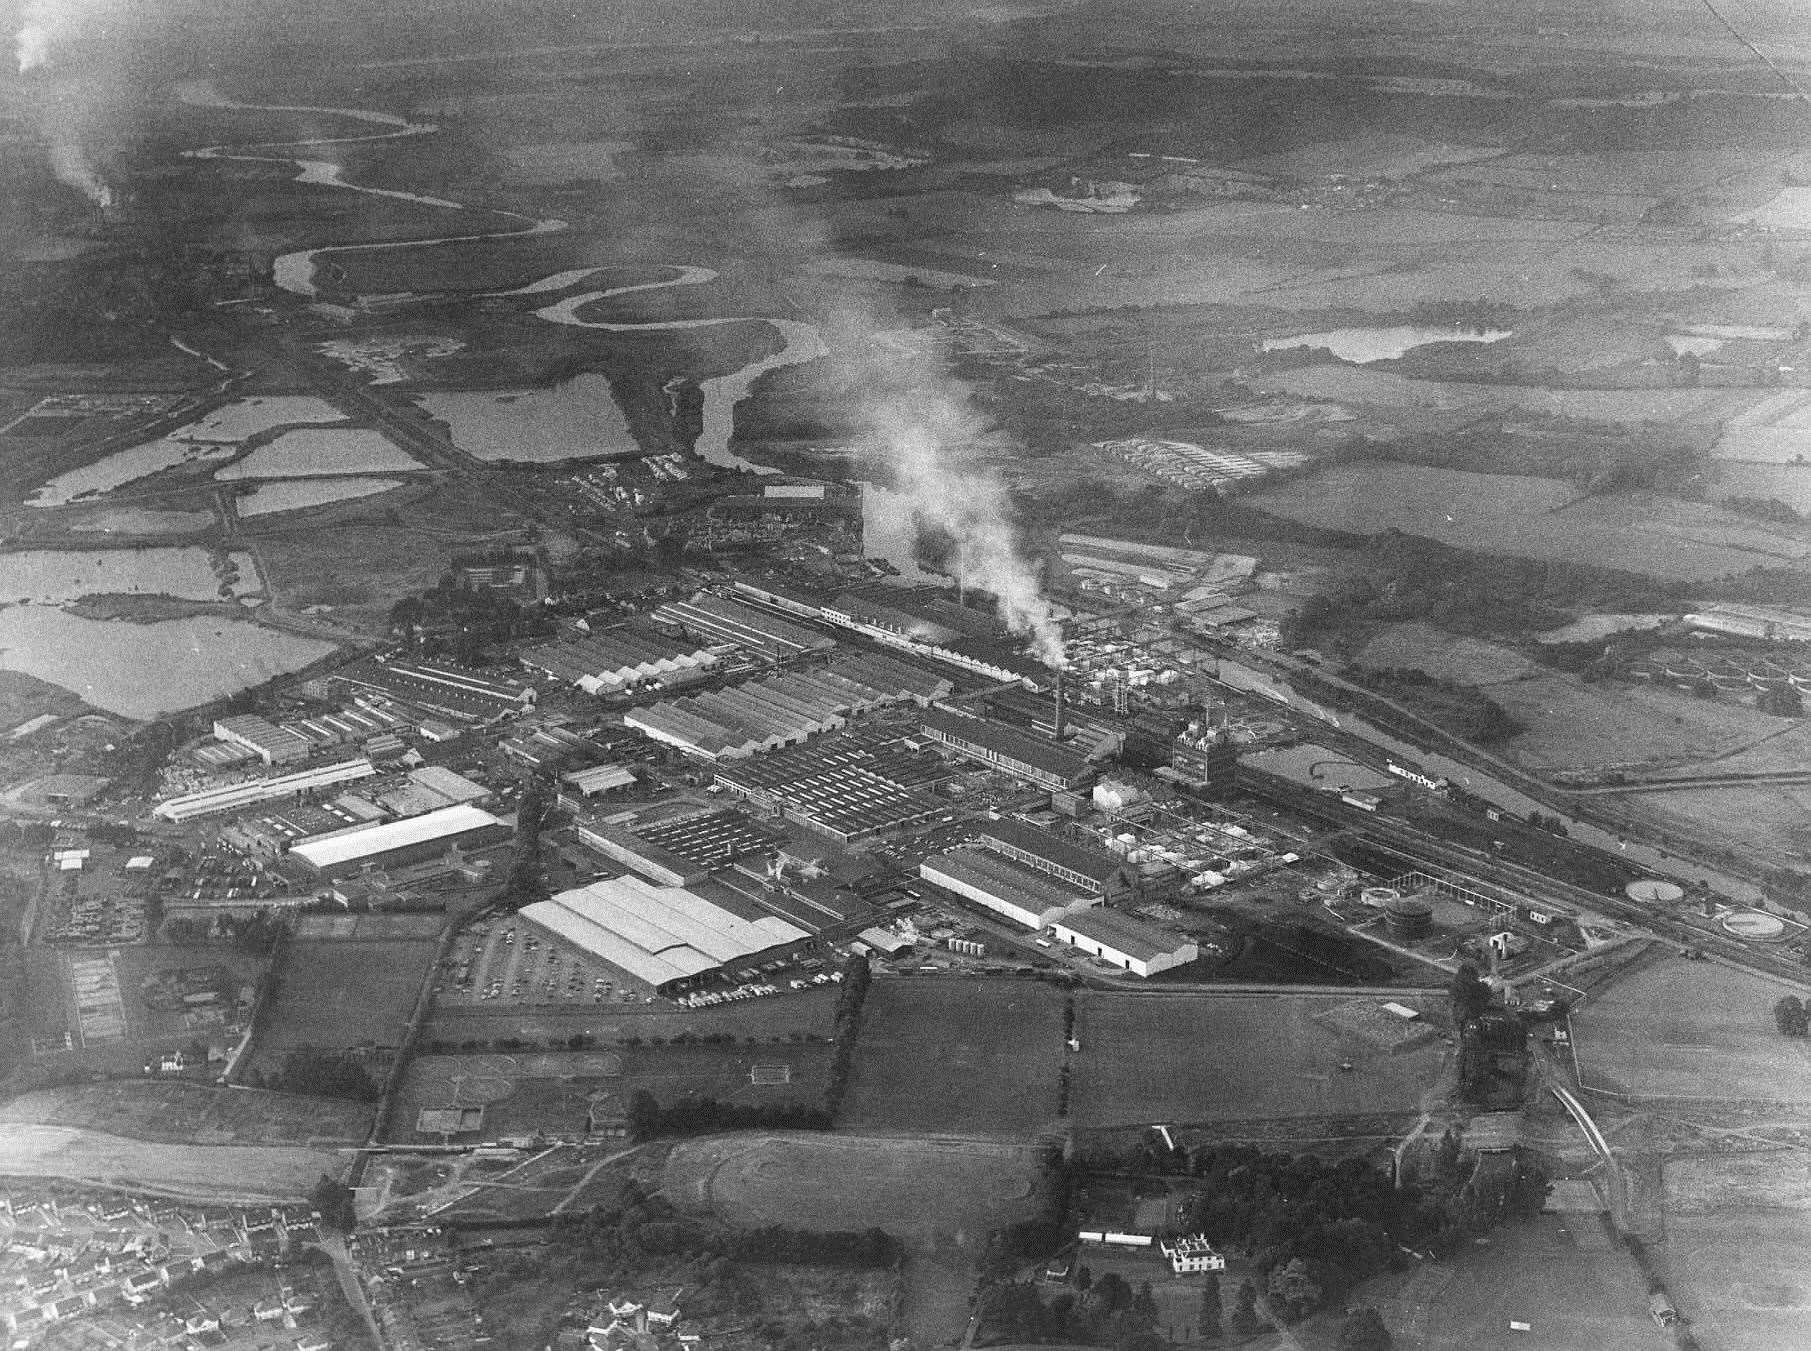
{"x":1408,"y":918}
{"x":1379,"y":898}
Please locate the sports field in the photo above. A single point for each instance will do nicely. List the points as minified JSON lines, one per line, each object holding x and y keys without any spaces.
{"x":1186,"y":1058}
{"x":337,"y":994}
{"x":1692,"y":1030}
{"x":978,"y":1056}
{"x":938,"y":1192}
{"x":529,"y":1092}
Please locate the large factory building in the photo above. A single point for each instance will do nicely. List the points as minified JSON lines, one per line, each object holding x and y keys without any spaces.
{"x":389,"y":844}
{"x":664,"y":938}
{"x":1143,"y":949}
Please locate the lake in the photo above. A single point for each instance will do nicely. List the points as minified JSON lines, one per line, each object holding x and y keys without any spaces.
{"x":576,"y":420}
{"x":55,"y":577}
{"x":141,"y":670}
{"x":1360,"y":345}
{"x":123,"y":467}
{"x":295,"y":494}
{"x":304,"y":453}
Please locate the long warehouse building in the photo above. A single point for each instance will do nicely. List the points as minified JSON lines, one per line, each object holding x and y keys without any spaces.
{"x":1143,"y":949}
{"x":663,"y":937}
{"x":236,"y":796}
{"x":1003,"y":887}
{"x":399,"y":843}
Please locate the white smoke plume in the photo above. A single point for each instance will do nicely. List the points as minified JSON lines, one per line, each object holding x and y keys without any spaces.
{"x":922,"y":426}
{"x":71,"y":166}
{"x":32,"y":41}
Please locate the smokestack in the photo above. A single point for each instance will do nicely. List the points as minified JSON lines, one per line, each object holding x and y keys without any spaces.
{"x":1061,"y":721}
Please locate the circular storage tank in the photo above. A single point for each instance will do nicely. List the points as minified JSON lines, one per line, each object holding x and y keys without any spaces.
{"x":1408,"y":918}
{"x":1379,"y":897}
{"x":1652,"y":891}
{"x":1755,"y":925}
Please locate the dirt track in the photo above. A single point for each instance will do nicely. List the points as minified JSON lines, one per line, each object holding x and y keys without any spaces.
{"x":217,"y":1173}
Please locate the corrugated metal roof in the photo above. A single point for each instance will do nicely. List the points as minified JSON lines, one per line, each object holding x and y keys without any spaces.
{"x":377,"y":839}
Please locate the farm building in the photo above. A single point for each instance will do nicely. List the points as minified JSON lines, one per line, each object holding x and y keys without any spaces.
{"x":1140,"y":948}
{"x":1074,"y":865}
{"x":1021,"y":754}
{"x":1017,"y":893}
{"x":236,"y":796}
{"x":396,"y":843}
{"x":662,"y":937}
{"x":272,"y":744}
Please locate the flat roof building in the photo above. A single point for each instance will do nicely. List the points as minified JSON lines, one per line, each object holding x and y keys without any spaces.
{"x":1140,"y":948}
{"x":663,"y":937}
{"x":392,"y":843}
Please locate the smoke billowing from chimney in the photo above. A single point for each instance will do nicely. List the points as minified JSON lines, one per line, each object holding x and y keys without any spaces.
{"x":32,"y":44}
{"x":71,"y":167}
{"x":922,"y":425}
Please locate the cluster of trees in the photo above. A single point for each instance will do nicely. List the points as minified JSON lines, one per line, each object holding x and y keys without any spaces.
{"x":258,"y":935}
{"x":333,"y":1199}
{"x":463,"y":625}
{"x":526,"y":882}
{"x":1460,"y":709}
{"x":1790,"y":1016}
{"x":319,"y":1073}
{"x":642,"y":1224}
{"x":1493,"y":1043}
{"x":1406,"y":577}
{"x":1106,"y":1311}
{"x":852,"y":996}
{"x":648,"y":1120}
{"x":1315,"y":1229}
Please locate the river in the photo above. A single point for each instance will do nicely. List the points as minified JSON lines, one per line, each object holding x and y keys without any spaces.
{"x":295,"y":271}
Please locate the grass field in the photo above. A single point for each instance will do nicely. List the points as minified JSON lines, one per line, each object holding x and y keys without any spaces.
{"x":1444,"y":655}
{"x":1739,"y":1274}
{"x":942,"y":1055}
{"x":1696,"y":1030}
{"x":1522,"y":516}
{"x":1188,"y":1058}
{"x":337,"y":994}
{"x":809,"y":1011}
{"x":192,"y":1172}
{"x":174,"y":1112}
{"x":1567,"y":1281}
{"x":1572,"y":725}
{"x":1773,"y":820}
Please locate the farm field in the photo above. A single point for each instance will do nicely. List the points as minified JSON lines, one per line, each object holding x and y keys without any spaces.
{"x":335,"y":994}
{"x":1572,"y":725}
{"x":1208,"y":1058}
{"x":174,"y":1112}
{"x":978,"y":1056}
{"x":1695,"y":1030}
{"x":248,"y":1173}
{"x":1737,"y":1229}
{"x":931,"y":1192}
{"x":1516,"y":515}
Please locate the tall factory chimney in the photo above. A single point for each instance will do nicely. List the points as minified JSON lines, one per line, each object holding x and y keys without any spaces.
{"x":1061,"y":710}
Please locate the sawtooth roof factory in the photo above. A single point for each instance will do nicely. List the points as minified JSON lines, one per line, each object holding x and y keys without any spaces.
{"x":846,"y":788}
{"x":1024,"y":755}
{"x":664,"y":938}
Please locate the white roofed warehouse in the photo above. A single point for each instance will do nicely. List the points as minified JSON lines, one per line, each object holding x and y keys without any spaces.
{"x":398,"y":843}
{"x":1017,"y":893}
{"x":662,"y":937}
{"x":1140,"y":948}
